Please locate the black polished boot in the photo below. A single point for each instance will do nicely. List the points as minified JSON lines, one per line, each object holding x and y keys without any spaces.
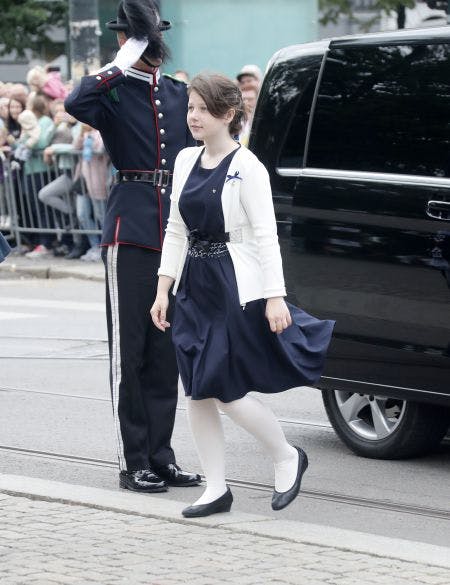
{"x":222,"y":504}
{"x":281,"y":499}
{"x":173,"y":475}
{"x":144,"y":480}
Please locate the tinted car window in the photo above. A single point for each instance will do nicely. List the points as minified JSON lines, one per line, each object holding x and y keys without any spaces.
{"x":384,"y":109}
{"x":281,"y":117}
{"x":292,"y":150}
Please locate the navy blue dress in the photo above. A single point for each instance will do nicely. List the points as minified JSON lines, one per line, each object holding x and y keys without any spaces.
{"x":224,"y":350}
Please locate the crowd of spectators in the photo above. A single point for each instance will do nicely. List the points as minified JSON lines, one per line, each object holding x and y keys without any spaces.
{"x":56,"y":169}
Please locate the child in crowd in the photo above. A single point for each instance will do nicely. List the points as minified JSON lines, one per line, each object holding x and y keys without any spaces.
{"x":47,"y":83}
{"x":29,"y":135}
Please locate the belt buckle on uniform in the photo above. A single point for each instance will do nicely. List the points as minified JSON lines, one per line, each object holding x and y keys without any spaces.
{"x":166,"y":178}
{"x":162,"y":177}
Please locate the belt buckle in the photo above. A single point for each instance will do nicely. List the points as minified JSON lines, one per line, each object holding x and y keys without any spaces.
{"x":162,"y":177}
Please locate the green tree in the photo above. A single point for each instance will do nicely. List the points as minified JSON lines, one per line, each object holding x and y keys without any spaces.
{"x":332,"y":9}
{"x":25,"y":24}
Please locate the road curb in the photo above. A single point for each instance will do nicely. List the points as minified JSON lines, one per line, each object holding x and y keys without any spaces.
{"x":237,"y":522}
{"x":46,"y":272}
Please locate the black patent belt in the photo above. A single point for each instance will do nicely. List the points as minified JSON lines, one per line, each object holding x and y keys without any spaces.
{"x":158,"y":177}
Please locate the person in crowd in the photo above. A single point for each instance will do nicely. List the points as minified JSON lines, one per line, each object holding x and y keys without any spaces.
{"x":249,"y":96}
{"x":46,"y":82}
{"x":5,"y":218}
{"x":19,"y":89}
{"x":35,"y":173}
{"x":4,"y":101}
{"x":233,"y":331}
{"x":249,"y":76}
{"x":91,"y":205}
{"x":16,"y":106}
{"x":58,"y":193}
{"x":4,"y":248}
{"x":54,"y":87}
{"x":141,"y":116}
{"x":36,"y":78}
{"x":181,"y":75}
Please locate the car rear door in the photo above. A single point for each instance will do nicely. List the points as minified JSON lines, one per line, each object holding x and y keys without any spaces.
{"x":366,"y":235}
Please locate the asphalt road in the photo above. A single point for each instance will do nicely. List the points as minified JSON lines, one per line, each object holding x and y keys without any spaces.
{"x":54,"y":398}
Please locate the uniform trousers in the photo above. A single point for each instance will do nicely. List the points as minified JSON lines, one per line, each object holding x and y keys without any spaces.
{"x":143,"y":369}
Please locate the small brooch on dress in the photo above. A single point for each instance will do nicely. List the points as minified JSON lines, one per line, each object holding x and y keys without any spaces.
{"x":235,"y":176}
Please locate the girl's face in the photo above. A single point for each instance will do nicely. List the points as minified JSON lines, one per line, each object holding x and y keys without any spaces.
{"x":202,"y":124}
{"x":15,"y":108}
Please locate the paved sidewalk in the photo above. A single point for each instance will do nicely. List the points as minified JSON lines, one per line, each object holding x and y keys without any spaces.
{"x":50,"y":267}
{"x":56,"y":533}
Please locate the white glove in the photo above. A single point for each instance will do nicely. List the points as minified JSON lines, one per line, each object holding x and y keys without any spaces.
{"x":129,"y":53}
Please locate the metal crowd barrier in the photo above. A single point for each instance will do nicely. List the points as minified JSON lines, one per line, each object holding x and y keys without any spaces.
{"x":25,"y":208}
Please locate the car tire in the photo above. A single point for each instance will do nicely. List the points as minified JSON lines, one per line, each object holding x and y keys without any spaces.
{"x":385,"y":428}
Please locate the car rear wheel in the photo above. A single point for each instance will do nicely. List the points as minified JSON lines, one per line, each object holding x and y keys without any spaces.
{"x":385,"y":428}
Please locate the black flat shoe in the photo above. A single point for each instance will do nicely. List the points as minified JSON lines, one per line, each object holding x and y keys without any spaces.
{"x":176,"y":477}
{"x":143,"y":480}
{"x":281,"y":499}
{"x":222,"y":504}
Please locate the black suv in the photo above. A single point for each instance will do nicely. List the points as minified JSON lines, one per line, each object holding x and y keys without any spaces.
{"x":355,"y":133}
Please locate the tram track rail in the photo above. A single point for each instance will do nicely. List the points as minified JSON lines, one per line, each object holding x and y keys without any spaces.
{"x":333,"y":497}
{"x":282,"y":420}
{"x":54,"y":355}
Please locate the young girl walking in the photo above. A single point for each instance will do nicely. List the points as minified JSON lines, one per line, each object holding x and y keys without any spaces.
{"x":232,"y":330}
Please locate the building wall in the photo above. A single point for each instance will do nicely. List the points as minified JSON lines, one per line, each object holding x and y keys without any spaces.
{"x":223,"y":35}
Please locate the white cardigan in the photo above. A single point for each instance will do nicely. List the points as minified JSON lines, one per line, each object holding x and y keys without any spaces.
{"x":249,"y":217}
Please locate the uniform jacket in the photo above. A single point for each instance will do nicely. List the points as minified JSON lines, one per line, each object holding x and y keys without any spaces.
{"x":249,"y":218}
{"x":142,"y":120}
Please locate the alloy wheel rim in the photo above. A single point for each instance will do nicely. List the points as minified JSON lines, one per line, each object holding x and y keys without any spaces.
{"x":369,"y":416}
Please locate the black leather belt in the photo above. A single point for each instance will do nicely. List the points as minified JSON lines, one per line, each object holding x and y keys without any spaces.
{"x":158,"y":177}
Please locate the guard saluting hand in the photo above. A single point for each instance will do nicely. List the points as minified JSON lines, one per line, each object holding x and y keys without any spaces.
{"x":141,"y":115}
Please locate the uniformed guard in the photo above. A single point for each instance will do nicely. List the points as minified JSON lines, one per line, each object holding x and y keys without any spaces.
{"x":141,"y":115}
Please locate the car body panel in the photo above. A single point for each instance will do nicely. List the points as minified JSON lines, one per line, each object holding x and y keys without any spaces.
{"x":359,"y":242}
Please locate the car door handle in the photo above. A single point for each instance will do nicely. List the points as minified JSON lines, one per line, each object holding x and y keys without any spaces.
{"x":439,"y":210}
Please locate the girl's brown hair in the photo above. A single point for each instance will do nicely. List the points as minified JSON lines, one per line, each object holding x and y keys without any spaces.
{"x":220,"y":95}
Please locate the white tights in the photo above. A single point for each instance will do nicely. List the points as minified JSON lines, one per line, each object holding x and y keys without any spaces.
{"x":253,"y":416}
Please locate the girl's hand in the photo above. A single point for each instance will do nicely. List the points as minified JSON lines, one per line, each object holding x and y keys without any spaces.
{"x":278,"y":314}
{"x":159,"y":310}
